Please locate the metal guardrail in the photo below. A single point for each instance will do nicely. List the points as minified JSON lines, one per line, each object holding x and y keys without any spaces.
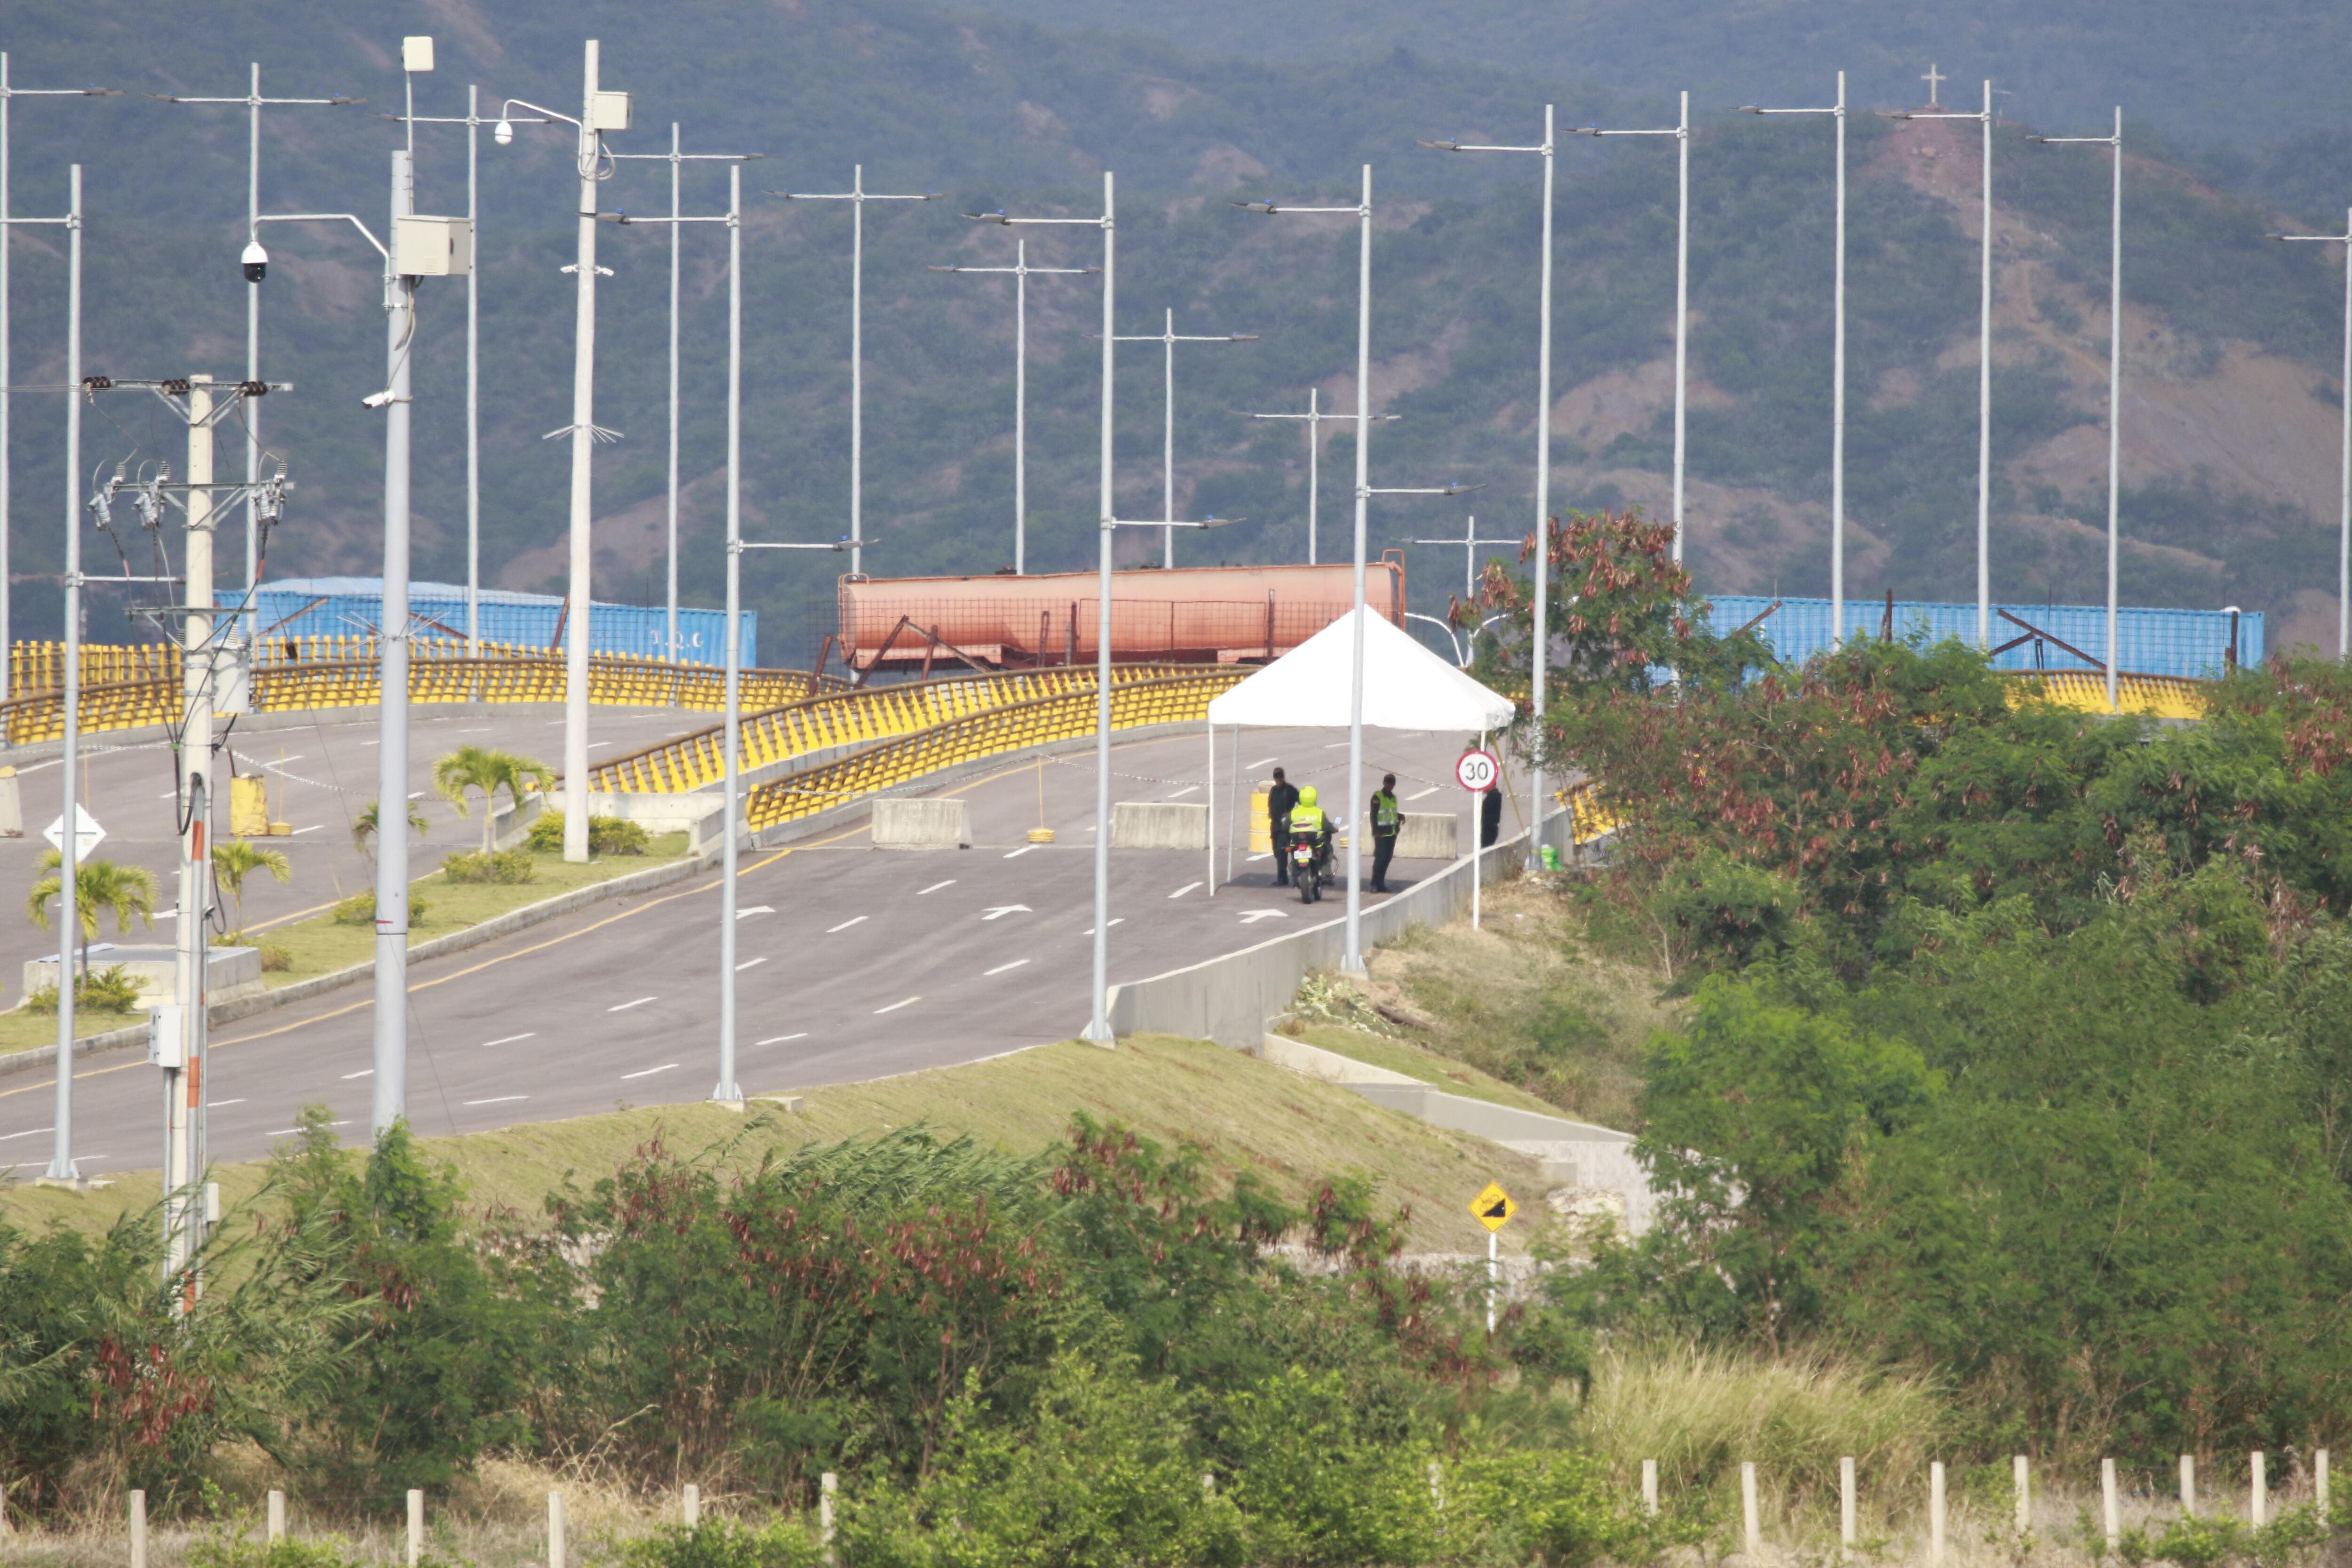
{"x":847,"y":717}
{"x":436,"y":674}
{"x":973,"y":737}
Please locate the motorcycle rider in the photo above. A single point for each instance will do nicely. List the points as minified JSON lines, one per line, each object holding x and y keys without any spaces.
{"x":1309,"y":825}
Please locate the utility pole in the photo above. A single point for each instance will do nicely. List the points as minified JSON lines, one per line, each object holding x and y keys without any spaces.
{"x":1316,"y":419}
{"x":7,"y":92}
{"x":1168,"y":337}
{"x":389,"y":1099}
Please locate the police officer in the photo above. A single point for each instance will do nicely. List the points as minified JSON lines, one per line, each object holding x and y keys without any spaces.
{"x":1388,"y":819}
{"x":1307,"y":825}
{"x":1279,"y":803}
{"x":1490,"y":818}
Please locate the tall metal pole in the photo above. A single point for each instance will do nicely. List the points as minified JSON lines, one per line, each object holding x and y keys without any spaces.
{"x":1351,"y":960}
{"x":1984,"y":397}
{"x":1168,"y":440}
{"x":2344,"y":538}
{"x":1543,"y":505}
{"x":1099,"y":1029}
{"x":390,"y":1084}
{"x":61,"y":1156}
{"x":583,"y":432}
{"x":1314,"y":465}
{"x":726,"y":1091}
{"x":1682,"y":309}
{"x":677,"y":234}
{"x":2116,"y":391}
{"x":184,"y":1078}
{"x":473,"y":376}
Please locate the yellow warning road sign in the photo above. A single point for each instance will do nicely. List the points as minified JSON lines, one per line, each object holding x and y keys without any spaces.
{"x":1494,"y":1207}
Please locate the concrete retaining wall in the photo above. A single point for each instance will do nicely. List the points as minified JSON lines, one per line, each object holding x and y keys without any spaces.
{"x":922,"y":825}
{"x":229,"y":971}
{"x":1158,"y":825}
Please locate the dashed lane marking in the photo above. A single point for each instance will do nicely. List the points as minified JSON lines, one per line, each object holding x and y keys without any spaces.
{"x":363,"y":1072}
{"x":1001,"y":968}
{"x":1019,"y":852}
{"x":494,"y":1099}
{"x":935,"y":887}
{"x":779,"y":1039}
{"x":1188,"y":789}
{"x":511,"y":1040}
{"x":1001,"y":911}
{"x":1184,"y":889}
{"x":647,"y":1072}
{"x":844,"y":925}
{"x":626,"y":1006}
{"x":1256,"y":915}
{"x":1115,"y":920}
{"x":1430,"y":790}
{"x":275,"y":1133}
{"x":749,"y":963}
{"x":1259,"y":763}
{"x":755,"y":910}
{"x":896,"y":1005}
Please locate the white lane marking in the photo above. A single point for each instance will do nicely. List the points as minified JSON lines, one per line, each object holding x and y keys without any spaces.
{"x":1335,"y":746}
{"x":299,"y":831}
{"x":844,"y":925}
{"x":379,"y":743}
{"x":647,"y":1072}
{"x":1184,"y":889}
{"x":478,"y":729}
{"x":216,"y":1104}
{"x":1019,"y":852}
{"x":363,"y":1072}
{"x":896,"y":1005}
{"x":755,"y":910}
{"x":626,"y":1006}
{"x":779,"y":1039}
{"x":494,"y":1099}
{"x":1256,"y":915}
{"x":1259,"y":763}
{"x":36,"y":1132}
{"x":935,"y":887}
{"x":1188,"y":789}
{"x":1267,"y":856}
{"x":295,"y":758}
{"x":1430,"y":790}
{"x":1003,"y":967}
{"x":749,"y":963}
{"x":1001,"y":911}
{"x":276,"y":1132}
{"x":167,"y":795}
{"x":511,"y":1040}
{"x":416,"y":795}
{"x":593,"y":744}
{"x":1115,"y":920}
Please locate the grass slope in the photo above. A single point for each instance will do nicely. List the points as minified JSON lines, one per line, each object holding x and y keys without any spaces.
{"x":1292,"y":1131}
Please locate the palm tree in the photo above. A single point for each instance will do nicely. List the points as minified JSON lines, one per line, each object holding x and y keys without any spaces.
{"x":99,"y":885}
{"x":234,"y":859}
{"x":363,"y":827}
{"x":479,"y":767}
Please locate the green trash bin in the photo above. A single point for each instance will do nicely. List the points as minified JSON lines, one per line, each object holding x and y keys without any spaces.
{"x":1551,"y":857}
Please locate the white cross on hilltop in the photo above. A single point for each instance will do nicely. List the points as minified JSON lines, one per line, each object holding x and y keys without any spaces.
{"x":1934,"y":79}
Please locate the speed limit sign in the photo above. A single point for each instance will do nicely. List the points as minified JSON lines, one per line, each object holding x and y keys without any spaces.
{"x":1477,"y":771}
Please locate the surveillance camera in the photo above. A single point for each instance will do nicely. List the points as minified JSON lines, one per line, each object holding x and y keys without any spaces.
{"x":376,"y":400}
{"x":256,"y":262}
{"x":503,"y":132}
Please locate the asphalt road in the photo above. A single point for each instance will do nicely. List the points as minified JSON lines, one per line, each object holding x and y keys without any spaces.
{"x":854,"y":964}
{"x":323,"y":776}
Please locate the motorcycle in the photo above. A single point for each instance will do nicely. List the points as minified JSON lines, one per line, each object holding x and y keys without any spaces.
{"x":1306,"y":869}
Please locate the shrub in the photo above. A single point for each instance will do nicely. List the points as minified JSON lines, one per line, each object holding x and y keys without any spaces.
{"x":359,"y":909}
{"x":228,"y":1549}
{"x":606,"y":834}
{"x":110,"y":990}
{"x":505,"y":866}
{"x":724,"y":1543}
{"x":276,"y":955}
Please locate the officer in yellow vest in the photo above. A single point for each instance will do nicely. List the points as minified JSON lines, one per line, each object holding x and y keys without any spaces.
{"x":1388,"y":820}
{"x":1306,"y":824}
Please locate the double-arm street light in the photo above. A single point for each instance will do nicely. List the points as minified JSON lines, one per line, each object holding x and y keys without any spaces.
{"x":1837,"y":374}
{"x":1984,"y":375}
{"x":1351,"y":960}
{"x":1680,"y":131}
{"x":857,"y":195}
{"x":1020,"y":272}
{"x":1539,"y":653}
{"x":600,"y":111}
{"x":253,"y":260}
{"x":1315,"y":419}
{"x":9,"y":91}
{"x":1168,"y":337}
{"x":2343,"y":539}
{"x":677,"y":162}
{"x":2116,"y":384}
{"x":473,"y":121}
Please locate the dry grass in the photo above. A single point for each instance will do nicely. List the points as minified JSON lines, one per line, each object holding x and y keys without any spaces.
{"x":1526,"y":1002}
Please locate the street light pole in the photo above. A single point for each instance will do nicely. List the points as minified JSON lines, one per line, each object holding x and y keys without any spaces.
{"x":1680,"y":131}
{"x":1021,"y":272}
{"x":1540,"y":655}
{"x":8,"y":92}
{"x":677,"y":162}
{"x":1168,"y":337}
{"x":1468,"y":544}
{"x":2343,"y":539}
{"x":1837,"y":374}
{"x":857,"y":195}
{"x":1315,"y":419}
{"x":1099,"y":1030}
{"x":1984,"y":376}
{"x":2115,"y":394}
{"x":253,"y":102}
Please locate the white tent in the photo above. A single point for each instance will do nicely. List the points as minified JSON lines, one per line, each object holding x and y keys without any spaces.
{"x":1406,"y":686}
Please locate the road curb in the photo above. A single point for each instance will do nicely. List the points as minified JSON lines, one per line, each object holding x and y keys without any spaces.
{"x":489,"y":930}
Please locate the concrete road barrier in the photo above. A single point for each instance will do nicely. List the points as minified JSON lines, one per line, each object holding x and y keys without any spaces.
{"x":12,"y":812}
{"x":1430,"y":836}
{"x":231,"y":972}
{"x":1158,"y":825}
{"x":922,"y":825}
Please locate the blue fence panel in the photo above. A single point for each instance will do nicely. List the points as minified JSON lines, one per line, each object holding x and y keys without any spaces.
{"x":2194,"y":643}
{"x":353,"y":606}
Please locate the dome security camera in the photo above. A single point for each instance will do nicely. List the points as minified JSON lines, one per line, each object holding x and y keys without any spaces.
{"x":503,"y":132}
{"x":256,"y":262}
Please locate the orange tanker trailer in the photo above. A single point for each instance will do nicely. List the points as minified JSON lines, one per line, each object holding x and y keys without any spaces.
{"x":1194,"y":614}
